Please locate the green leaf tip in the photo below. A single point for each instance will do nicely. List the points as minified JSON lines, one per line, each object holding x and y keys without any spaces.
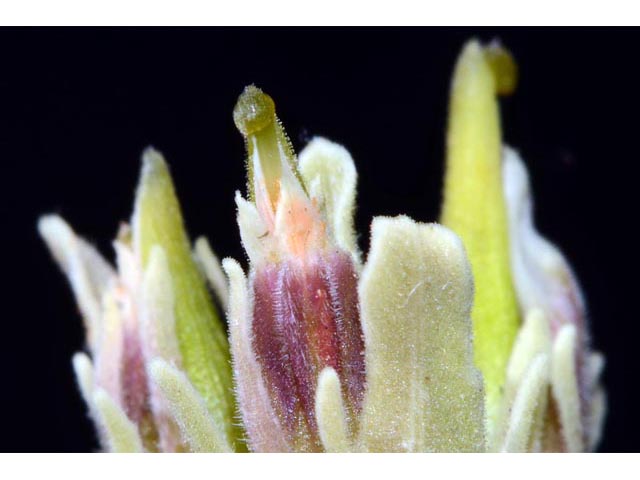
{"x":157,"y":220}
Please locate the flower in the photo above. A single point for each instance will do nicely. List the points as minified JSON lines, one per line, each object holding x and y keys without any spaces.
{"x":469,"y":335}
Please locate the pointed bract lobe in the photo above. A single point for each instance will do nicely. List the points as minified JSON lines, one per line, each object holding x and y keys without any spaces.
{"x":514,"y":430}
{"x":264,"y":431}
{"x":89,"y":274}
{"x":121,"y":434}
{"x":331,"y":415}
{"x":565,"y":388}
{"x":528,"y":407}
{"x":200,"y":430}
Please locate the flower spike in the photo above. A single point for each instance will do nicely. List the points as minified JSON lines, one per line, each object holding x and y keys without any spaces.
{"x":466,"y":337}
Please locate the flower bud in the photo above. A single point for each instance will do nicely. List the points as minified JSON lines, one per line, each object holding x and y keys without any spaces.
{"x":304,"y":315}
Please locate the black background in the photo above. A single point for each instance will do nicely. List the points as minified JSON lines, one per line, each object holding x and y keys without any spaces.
{"x":78,"y":106}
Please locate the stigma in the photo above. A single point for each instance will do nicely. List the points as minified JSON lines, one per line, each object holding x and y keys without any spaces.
{"x":292,"y":221}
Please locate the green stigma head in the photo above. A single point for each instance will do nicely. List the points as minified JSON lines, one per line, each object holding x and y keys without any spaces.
{"x":254,"y":111}
{"x":503,"y":67}
{"x":268,"y":147}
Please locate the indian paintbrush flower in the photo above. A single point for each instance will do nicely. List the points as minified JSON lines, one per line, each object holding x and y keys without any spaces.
{"x":303,"y":314}
{"x":466,"y":336}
